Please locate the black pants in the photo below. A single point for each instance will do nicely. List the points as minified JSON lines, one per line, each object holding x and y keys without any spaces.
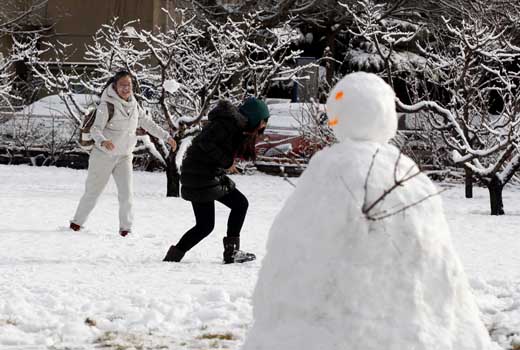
{"x":205,"y":219}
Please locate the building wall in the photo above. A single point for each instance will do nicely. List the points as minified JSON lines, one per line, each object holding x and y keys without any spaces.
{"x":76,"y":21}
{"x":12,"y":9}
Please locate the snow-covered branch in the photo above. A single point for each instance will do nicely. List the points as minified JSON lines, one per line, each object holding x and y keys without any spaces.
{"x":15,"y":21}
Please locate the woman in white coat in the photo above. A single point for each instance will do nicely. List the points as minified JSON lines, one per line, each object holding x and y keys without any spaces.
{"x":114,"y":142}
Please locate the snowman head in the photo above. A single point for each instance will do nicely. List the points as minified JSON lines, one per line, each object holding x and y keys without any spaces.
{"x":361,"y":107}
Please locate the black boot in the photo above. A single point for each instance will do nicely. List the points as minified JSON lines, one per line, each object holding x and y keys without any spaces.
{"x":174,"y":254}
{"x":232,"y":252}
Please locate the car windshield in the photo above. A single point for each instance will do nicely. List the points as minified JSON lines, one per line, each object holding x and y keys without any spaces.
{"x":290,"y":115}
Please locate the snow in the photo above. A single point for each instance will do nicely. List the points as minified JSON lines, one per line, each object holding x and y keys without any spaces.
{"x":171,"y":85}
{"x":52,"y":280}
{"x":331,"y":275}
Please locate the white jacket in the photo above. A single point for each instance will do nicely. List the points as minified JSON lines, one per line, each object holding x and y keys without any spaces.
{"x":128,"y":116}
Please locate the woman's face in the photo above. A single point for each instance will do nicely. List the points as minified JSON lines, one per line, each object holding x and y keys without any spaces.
{"x":124,"y":87}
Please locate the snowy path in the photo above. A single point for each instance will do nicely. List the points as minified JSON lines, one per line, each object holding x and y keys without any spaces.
{"x":60,"y":289}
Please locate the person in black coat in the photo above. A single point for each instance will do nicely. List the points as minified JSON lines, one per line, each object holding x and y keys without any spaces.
{"x":230,"y":132}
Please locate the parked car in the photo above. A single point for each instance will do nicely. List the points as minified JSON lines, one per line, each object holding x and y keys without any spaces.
{"x":49,"y":117}
{"x":295,"y":132}
{"x":44,"y":132}
{"x":298,"y":130}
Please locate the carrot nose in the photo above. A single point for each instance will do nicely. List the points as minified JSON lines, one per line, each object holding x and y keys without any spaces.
{"x":333,"y":122}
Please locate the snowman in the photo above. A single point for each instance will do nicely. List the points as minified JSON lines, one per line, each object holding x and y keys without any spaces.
{"x":360,"y":257}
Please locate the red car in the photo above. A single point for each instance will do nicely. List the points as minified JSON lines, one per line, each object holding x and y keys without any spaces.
{"x":295,"y":132}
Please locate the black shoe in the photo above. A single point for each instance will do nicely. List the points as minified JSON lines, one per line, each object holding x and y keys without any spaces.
{"x":232,"y":252}
{"x":174,"y":254}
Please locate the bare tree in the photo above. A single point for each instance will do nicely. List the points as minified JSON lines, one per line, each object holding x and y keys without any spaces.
{"x":23,"y":49}
{"x":326,"y":24}
{"x":260,"y":55}
{"x":205,"y":64}
{"x":114,"y":48}
{"x":19,"y":17}
{"x":481,"y":64}
{"x":56,"y":131}
{"x":60,"y":79}
{"x":186,"y":82}
{"x":21,"y":22}
{"x":6,"y":78}
{"x":320,"y":19}
{"x":467,"y":75}
{"x":384,"y":40}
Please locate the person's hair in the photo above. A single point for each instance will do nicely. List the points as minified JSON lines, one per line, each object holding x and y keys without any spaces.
{"x":247,"y":149}
{"x":116,"y":77}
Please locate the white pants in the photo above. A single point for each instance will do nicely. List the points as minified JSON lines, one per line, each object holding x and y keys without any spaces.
{"x":101,"y":166}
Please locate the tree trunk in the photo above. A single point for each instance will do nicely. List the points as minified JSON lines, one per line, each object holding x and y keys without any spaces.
{"x":495,"y":196}
{"x":172,"y":177}
{"x":469,"y":182}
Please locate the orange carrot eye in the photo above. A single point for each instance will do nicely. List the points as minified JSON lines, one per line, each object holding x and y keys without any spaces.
{"x":339,"y":95}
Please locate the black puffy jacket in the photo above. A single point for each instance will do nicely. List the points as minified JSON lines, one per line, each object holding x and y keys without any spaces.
{"x":203,"y":176}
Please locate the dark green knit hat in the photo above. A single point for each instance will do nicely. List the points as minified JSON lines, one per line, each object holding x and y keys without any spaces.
{"x":255,"y":111}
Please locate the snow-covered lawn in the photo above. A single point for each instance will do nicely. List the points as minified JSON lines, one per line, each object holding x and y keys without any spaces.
{"x":60,"y":289}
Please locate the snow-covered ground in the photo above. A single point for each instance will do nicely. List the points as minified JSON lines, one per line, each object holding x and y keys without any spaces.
{"x":60,"y":289}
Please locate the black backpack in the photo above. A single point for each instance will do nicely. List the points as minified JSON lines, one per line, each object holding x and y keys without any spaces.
{"x":85,"y":139}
